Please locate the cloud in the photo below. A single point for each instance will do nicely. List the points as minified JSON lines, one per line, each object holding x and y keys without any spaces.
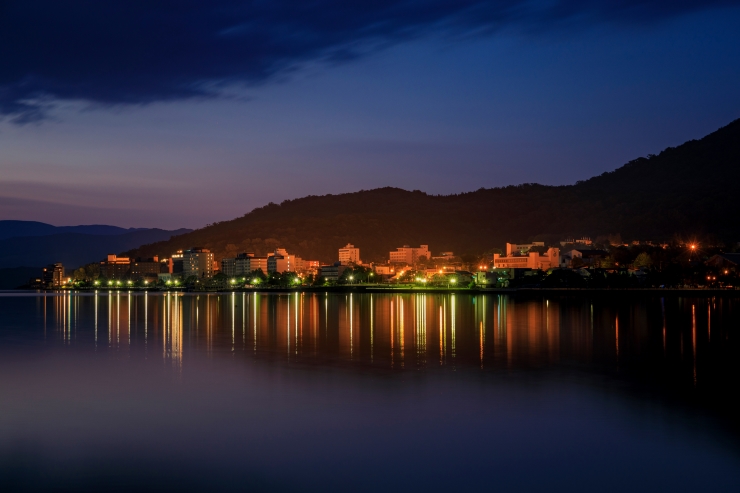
{"x":141,"y":51}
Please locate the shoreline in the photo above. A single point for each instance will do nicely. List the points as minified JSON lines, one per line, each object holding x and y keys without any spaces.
{"x":375,"y":289}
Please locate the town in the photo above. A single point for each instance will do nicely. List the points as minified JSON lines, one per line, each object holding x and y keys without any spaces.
{"x":573,"y":263}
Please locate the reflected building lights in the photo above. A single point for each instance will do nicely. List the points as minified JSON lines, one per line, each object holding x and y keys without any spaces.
{"x":481,"y":331}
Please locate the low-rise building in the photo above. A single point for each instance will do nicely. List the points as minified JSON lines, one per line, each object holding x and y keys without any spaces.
{"x":522,"y":248}
{"x":307,"y":266}
{"x":115,"y":267}
{"x":580,"y":241}
{"x":384,"y":270}
{"x":726,"y":261}
{"x":240,"y":265}
{"x":332,"y":272}
{"x":408,"y":255}
{"x":586,"y":257}
{"x":532,"y":260}
{"x":148,"y":268}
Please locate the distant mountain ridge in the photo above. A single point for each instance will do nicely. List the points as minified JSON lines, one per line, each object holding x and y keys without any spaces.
{"x":14,"y":229}
{"x":692,"y":189}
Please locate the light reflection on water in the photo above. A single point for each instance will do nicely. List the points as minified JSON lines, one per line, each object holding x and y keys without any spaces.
{"x":406,"y":384}
{"x":396,"y":331}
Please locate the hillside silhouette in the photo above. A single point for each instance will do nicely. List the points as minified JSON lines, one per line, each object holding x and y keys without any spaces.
{"x":689,"y":190}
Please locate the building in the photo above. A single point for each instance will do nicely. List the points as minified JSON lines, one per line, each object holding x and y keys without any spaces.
{"x":244,"y":264}
{"x":332,"y":272}
{"x":384,"y":270}
{"x":307,"y":266}
{"x":167,"y":265}
{"x":587,"y":257}
{"x":115,"y":267}
{"x":281,"y":261}
{"x":725,"y":261}
{"x":177,"y":263}
{"x":197,"y":262}
{"x":408,"y":256}
{"x":53,"y":275}
{"x":445,"y":256}
{"x":259,"y":263}
{"x":238,"y":266}
{"x":580,"y":241}
{"x":349,"y":255}
{"x":149,"y":268}
{"x":522,"y":248}
{"x":532,"y":260}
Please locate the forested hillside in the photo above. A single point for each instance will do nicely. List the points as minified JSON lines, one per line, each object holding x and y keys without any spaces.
{"x":687,"y":190}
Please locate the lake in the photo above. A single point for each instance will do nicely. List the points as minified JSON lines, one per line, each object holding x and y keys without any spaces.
{"x":118,"y":391}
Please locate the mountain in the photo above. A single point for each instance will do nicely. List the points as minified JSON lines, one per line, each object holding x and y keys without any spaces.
{"x":74,"y":249}
{"x":13,"y":229}
{"x":688,"y":190}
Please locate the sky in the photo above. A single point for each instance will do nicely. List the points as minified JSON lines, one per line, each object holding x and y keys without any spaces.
{"x":181,"y":113}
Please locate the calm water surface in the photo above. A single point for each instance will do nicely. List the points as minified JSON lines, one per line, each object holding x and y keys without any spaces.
{"x":118,"y":391}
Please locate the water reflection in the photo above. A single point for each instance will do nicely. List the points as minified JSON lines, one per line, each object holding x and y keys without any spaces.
{"x":399,"y":331}
{"x":475,"y":389}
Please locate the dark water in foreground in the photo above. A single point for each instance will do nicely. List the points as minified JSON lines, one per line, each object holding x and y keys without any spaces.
{"x":340,"y":392}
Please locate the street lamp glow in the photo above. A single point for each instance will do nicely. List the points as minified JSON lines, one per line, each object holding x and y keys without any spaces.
{"x":453,"y":280}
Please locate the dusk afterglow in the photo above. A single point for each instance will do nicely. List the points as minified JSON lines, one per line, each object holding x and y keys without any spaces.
{"x":123,"y":112}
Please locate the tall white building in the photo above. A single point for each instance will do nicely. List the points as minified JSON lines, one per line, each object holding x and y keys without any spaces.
{"x":349,"y":254}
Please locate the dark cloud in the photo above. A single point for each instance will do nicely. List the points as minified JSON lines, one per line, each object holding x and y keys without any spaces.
{"x":141,"y":51}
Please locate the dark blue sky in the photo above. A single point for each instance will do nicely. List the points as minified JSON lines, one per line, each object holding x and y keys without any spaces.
{"x":180,"y":113}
